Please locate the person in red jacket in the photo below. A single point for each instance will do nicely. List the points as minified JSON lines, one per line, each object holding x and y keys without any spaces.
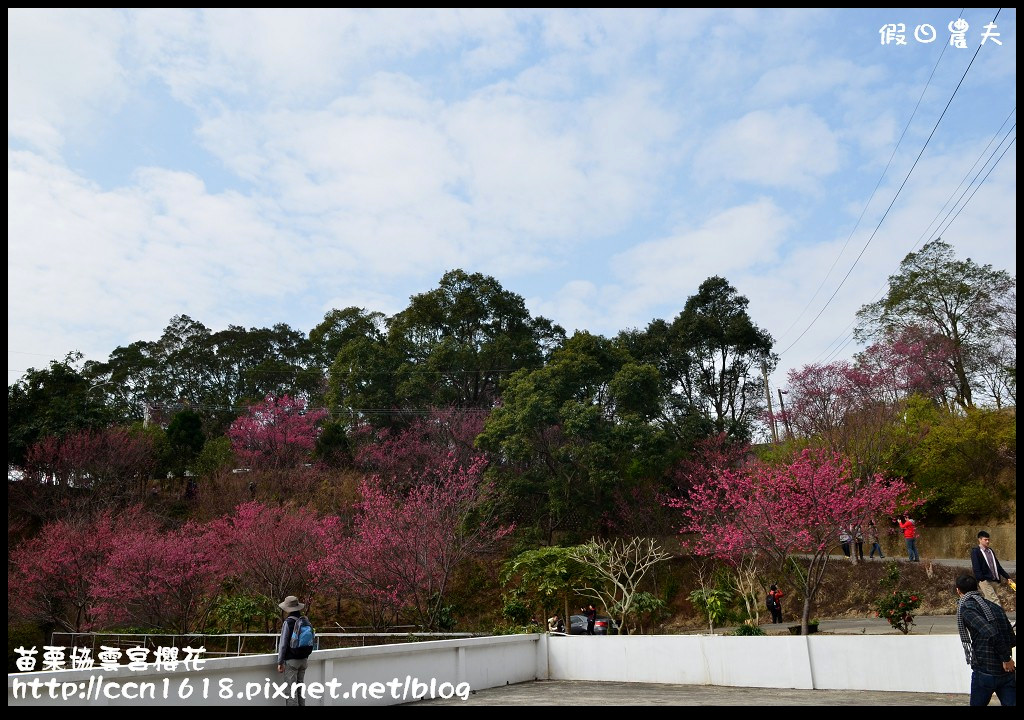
{"x":909,"y":528}
{"x":775,"y":603}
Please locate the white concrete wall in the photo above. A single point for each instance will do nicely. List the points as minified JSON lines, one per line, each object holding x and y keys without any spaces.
{"x":480,"y":662}
{"x":913,"y":663}
{"x":925,"y":663}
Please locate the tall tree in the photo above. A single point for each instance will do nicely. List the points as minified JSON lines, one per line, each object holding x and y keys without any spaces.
{"x":185,"y":440}
{"x":725,"y":352}
{"x":341,"y":327}
{"x":571,"y":432}
{"x":462,"y":338}
{"x":451,"y":347}
{"x":214,"y":374}
{"x":52,"y":401}
{"x":709,"y":359}
{"x":961,"y":301}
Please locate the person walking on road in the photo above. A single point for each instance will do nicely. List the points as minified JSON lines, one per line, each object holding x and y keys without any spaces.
{"x":987,"y":570}
{"x":988,"y":642}
{"x":875,"y":544}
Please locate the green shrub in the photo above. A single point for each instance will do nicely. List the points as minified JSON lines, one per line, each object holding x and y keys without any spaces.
{"x":749,"y":628}
{"x":898,"y":609}
{"x":713,"y":603}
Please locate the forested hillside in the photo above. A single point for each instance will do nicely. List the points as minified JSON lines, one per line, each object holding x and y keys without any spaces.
{"x":388,"y":468}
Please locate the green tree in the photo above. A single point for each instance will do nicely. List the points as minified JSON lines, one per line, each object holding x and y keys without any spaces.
{"x":573,"y":431}
{"x":709,"y":359}
{"x":958,"y":300}
{"x":185,"y":440}
{"x":545,"y":577}
{"x":251,"y":364}
{"x":964,"y":463}
{"x":214,"y":374}
{"x":451,"y":347}
{"x":216,"y":456}
{"x":463,"y":337}
{"x":332,"y":446}
{"x":52,"y":401}
{"x":725,"y":354}
{"x":341,"y":327}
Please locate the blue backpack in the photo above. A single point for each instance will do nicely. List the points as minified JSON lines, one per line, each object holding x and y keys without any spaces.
{"x":303,"y":638}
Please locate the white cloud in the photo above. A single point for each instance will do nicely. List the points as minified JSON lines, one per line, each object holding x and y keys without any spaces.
{"x":808,"y":80}
{"x":62,"y":73}
{"x":654,"y":278}
{"x":602,"y":163}
{"x":790,"y":147}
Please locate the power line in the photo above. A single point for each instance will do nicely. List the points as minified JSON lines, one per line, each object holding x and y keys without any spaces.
{"x":850,"y":337}
{"x":893,"y":202}
{"x":967,"y":175}
{"x":978,"y":185}
{"x":873,"y":191}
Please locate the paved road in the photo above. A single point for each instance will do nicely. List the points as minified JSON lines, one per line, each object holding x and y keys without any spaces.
{"x":1009,"y":566}
{"x":578,"y":692}
{"x":923,"y":625}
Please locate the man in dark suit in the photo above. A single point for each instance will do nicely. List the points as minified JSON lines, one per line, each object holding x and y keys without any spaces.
{"x":987,"y":570}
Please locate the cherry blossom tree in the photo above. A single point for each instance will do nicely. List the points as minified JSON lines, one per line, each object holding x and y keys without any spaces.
{"x":167,"y":580}
{"x":789,"y":513}
{"x":277,"y":433}
{"x":51,"y":576}
{"x":399,"y":456}
{"x":361,"y":570}
{"x":406,"y":546}
{"x":266,"y":550}
{"x":852,"y":408}
{"x":91,"y":468}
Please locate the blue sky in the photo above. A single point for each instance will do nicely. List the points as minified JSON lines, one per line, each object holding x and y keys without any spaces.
{"x":252,"y":167}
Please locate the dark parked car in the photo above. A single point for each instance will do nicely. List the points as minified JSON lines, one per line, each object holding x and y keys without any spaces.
{"x":602,"y":625}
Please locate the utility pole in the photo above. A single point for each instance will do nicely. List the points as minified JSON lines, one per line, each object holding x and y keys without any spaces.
{"x":768,"y":397}
{"x":785,"y":420}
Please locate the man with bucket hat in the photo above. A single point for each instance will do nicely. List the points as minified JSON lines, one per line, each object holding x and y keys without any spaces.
{"x":292,"y":661}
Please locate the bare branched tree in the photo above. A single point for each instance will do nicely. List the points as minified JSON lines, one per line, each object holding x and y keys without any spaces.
{"x":620,"y":565}
{"x":746,"y":579}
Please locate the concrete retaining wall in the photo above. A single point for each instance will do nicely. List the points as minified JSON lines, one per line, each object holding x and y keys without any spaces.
{"x":932,"y":663}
